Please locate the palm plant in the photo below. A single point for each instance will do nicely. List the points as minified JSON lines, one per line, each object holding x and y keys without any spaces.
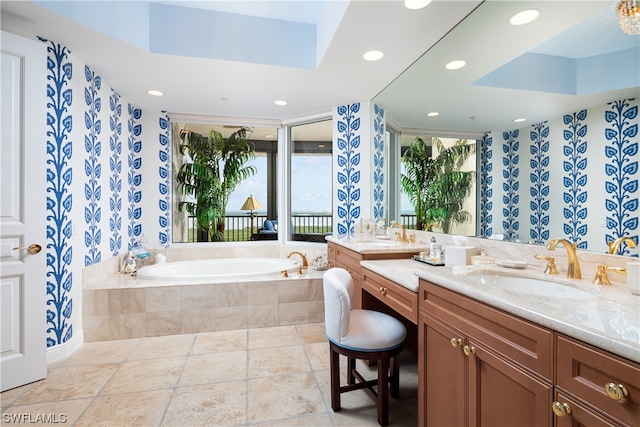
{"x":216,"y":167}
{"x":436,"y":186}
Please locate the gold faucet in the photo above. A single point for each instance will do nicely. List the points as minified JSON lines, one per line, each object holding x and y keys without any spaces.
{"x":573,"y":268}
{"x":615,"y":245}
{"x":305,"y":263}
{"x":402,"y":236}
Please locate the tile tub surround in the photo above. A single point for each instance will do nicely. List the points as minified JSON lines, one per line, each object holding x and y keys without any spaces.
{"x":118,"y":306}
{"x":275,"y":376}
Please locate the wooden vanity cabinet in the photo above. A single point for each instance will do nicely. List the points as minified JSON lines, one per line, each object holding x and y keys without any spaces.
{"x":400,"y":299}
{"x":479,"y":365}
{"x":583,"y":374}
{"x":339,"y":256}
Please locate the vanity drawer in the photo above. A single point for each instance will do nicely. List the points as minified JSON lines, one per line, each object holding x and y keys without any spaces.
{"x":399,"y":298}
{"x":522,"y":341}
{"x":585,"y":371}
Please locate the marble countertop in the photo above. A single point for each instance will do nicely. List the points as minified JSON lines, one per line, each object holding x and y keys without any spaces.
{"x":377,"y":246}
{"x":609,"y":320}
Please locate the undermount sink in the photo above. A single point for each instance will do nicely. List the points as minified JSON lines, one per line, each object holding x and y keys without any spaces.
{"x":531,"y":286}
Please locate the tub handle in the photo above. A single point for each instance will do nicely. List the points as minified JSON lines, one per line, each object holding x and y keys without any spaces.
{"x":285,"y":273}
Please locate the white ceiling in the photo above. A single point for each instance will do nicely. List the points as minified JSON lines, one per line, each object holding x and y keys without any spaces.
{"x":199,"y":86}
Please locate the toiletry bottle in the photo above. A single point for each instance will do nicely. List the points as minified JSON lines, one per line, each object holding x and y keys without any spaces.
{"x":432,"y":248}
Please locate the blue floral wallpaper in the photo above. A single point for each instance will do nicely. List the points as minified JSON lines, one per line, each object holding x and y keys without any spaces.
{"x":379,"y":201}
{"x":580,"y":173}
{"x":93,"y":167}
{"x":347,"y":154}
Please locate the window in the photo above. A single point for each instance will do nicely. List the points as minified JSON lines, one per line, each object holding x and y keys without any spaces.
{"x":239,"y":225}
{"x":310,"y":190}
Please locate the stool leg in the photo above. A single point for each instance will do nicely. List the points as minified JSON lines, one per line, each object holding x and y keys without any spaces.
{"x":334,"y":367}
{"x":395,"y":377}
{"x":351,"y":365}
{"x":383,"y":390}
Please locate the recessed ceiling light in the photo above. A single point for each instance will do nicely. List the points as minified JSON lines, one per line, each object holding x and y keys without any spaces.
{"x":280,"y":103}
{"x":416,"y":4}
{"x":373,"y":55}
{"x":155,"y":92}
{"x":433,"y":114}
{"x":454,"y":65}
{"x":519,"y":120}
{"x":524,"y":17}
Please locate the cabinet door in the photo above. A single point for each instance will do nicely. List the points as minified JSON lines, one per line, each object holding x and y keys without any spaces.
{"x":502,"y":394}
{"x":441,"y":370}
{"x":580,"y":415}
{"x":587,"y":372}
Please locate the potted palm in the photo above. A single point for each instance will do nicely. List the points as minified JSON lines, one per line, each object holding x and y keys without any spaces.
{"x":436,"y":186}
{"x":215,"y":168}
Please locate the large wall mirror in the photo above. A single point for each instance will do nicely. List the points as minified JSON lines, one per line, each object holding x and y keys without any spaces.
{"x":569,"y":169}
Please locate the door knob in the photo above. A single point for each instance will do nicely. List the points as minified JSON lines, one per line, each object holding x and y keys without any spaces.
{"x":33,"y":248}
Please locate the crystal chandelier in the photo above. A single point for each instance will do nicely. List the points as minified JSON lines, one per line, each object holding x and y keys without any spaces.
{"x":629,"y":16}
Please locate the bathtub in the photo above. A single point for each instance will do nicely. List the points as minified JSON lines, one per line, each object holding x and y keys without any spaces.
{"x":218,"y":269}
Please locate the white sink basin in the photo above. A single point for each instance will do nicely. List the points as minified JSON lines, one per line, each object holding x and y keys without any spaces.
{"x":530,"y":286}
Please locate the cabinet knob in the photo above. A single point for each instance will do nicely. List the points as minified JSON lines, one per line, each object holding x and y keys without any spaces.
{"x":456,"y":342}
{"x":330,"y":249}
{"x":383,"y":290}
{"x":330,"y":264}
{"x":468,"y":350}
{"x":561,"y":409}
{"x":616,"y":391}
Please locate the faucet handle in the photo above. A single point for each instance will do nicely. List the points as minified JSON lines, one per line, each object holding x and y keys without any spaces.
{"x":551,"y":264}
{"x":601,"y":275}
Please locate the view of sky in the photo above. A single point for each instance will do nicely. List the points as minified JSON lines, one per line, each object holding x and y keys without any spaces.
{"x":310,"y":185}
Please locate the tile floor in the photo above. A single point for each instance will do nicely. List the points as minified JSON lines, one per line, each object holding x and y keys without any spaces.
{"x":275,"y":376}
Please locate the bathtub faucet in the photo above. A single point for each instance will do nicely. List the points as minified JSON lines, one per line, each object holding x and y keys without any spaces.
{"x":305,"y":264}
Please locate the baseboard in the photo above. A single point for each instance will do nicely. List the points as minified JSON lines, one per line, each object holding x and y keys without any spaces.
{"x":64,"y":350}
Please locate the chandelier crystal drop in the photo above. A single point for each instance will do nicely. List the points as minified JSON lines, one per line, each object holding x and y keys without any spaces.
{"x":629,"y":16}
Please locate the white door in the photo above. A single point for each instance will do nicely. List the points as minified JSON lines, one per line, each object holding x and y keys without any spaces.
{"x":23,"y":352}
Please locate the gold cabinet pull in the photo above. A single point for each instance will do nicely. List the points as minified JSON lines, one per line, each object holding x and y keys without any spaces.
{"x":468,"y":351}
{"x":561,"y":409}
{"x":616,"y":391}
{"x":330,"y":249}
{"x":456,"y":342}
{"x":33,"y":248}
{"x":330,"y":265}
{"x":383,"y":290}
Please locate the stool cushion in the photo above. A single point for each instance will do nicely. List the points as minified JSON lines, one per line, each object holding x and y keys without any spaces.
{"x":355,"y":329}
{"x":372,"y":331}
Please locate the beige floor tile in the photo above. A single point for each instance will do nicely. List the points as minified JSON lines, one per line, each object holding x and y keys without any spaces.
{"x":318,"y":354}
{"x":141,"y":375}
{"x":46,"y":414}
{"x":313,"y":332}
{"x":8,"y":397}
{"x":314,"y":420}
{"x":131,"y":409}
{"x":265,"y":362}
{"x":67,"y":383}
{"x":281,"y":397}
{"x":273,"y":337}
{"x":220,"y":404}
{"x":215,"y":367}
{"x":167,"y":346}
{"x":213,"y":342}
{"x":101,"y":352}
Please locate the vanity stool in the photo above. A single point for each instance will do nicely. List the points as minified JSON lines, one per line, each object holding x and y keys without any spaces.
{"x":360,"y":334}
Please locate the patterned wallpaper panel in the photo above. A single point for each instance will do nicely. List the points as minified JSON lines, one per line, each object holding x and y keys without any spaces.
{"x":96,"y":194}
{"x":573,"y":177}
